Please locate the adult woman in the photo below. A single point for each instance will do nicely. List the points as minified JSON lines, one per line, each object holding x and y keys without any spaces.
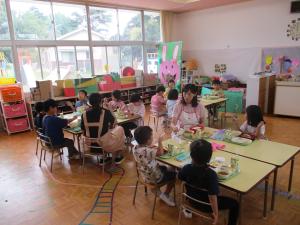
{"x":98,"y":119}
{"x":188,"y":112}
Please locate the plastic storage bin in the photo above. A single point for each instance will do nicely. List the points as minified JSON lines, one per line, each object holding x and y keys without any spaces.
{"x":14,"y":110}
{"x":16,"y":125}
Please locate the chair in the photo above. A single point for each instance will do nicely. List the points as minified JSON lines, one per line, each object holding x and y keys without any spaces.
{"x":37,"y":132}
{"x":46,"y":145}
{"x":154,"y":186}
{"x":87,"y":145}
{"x":156,"y":117}
{"x":186,"y":205}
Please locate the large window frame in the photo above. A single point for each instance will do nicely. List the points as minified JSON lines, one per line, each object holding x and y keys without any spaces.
{"x":15,"y":44}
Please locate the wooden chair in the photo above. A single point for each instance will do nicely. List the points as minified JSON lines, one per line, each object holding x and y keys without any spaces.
{"x":156,"y":117}
{"x":155,"y":186}
{"x":46,"y":145}
{"x":87,"y":145}
{"x":186,"y":205}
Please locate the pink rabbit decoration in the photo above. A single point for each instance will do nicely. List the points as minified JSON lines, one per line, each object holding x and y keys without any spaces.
{"x":169,"y":69}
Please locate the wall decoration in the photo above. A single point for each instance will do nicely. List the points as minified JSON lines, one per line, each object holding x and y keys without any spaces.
{"x":169,"y":61}
{"x":293,"y":30}
{"x":220,"y":68}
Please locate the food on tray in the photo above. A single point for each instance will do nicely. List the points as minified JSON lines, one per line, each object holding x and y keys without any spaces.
{"x":196,"y":132}
{"x":241,"y":141}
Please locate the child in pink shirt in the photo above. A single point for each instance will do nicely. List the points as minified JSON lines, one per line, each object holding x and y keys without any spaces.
{"x":137,"y":107}
{"x":158,"y":103}
{"x":116,"y":102}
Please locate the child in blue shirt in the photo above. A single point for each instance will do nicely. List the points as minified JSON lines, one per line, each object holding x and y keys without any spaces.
{"x":53,"y":128}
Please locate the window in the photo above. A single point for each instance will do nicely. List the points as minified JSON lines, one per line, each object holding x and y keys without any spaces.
{"x":130,"y":25}
{"x":70,"y":22}
{"x":49,"y":63}
{"x":151,"y":60}
{"x":104,"y":24}
{"x":29,"y":66}
{"x":84,"y":61}
{"x":67,"y":62}
{"x":113,"y":58}
{"x":152,"y":26}
{"x":32,"y":20}
{"x":99,"y":54}
{"x":4,"y":32}
{"x":52,"y":40}
{"x":6,"y":62}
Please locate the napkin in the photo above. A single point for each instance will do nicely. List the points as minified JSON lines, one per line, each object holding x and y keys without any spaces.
{"x":217,"y":146}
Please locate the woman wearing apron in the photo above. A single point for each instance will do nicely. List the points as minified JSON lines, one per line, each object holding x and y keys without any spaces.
{"x":188,"y":112}
{"x":96,"y":122}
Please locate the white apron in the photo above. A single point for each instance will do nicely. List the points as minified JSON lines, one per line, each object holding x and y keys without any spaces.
{"x":188,"y":120}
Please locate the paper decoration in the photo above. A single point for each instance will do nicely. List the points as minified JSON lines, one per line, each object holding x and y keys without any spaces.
{"x":169,"y":61}
{"x":220,"y":68}
{"x":293,"y":30}
{"x":269,"y":60}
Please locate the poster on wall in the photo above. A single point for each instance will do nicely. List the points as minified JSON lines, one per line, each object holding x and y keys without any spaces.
{"x":169,"y":61}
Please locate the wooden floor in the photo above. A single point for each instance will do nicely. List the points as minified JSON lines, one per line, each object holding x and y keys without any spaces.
{"x":32,"y":195}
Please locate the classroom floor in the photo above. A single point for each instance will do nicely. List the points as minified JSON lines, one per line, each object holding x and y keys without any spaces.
{"x":31,"y":195}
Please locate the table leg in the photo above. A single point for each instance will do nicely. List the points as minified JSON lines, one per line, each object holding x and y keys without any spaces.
{"x":274,"y":189}
{"x":78,"y":142}
{"x":240,"y":209}
{"x":266,"y":197}
{"x":291,"y":174}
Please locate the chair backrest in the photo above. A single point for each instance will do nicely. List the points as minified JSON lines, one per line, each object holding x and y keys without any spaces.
{"x":185,"y":200}
{"x":142,"y":175}
{"x":44,"y":140}
{"x":88,"y":142}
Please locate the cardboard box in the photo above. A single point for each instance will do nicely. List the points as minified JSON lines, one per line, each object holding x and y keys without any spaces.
{"x":58,"y":90}
{"x":150,"y":79}
{"x":46,"y":89}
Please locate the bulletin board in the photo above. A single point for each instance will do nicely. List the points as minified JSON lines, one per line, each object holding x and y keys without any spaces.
{"x":169,"y":61}
{"x":292,"y":53}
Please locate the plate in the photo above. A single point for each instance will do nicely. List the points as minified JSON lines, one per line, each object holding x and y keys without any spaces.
{"x":212,"y":97}
{"x":241,"y":141}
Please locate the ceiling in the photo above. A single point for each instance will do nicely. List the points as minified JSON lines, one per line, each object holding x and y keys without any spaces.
{"x":169,"y":5}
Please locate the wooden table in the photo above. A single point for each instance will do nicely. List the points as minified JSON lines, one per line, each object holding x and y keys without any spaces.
{"x":209,"y":104}
{"x":252,"y":173}
{"x":273,"y":153}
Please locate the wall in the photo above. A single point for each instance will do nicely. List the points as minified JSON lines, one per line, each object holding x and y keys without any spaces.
{"x":234,"y":34}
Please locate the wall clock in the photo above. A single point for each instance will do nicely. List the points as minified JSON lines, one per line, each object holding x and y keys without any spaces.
{"x":293,"y":30}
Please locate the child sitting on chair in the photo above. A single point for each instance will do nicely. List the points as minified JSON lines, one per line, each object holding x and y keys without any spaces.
{"x":171,"y":85}
{"x":254,"y":125}
{"x":137,"y":107}
{"x":40,"y":113}
{"x":171,"y":102}
{"x":198,"y":174}
{"x":145,"y":155}
{"x":116,"y":102}
{"x":158,"y":103}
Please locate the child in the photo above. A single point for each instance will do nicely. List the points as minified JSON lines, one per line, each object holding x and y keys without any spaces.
{"x":116,"y":102}
{"x":171,"y":85}
{"x":254,"y":124}
{"x":217,"y":89}
{"x":171,"y":102}
{"x":158,"y":102}
{"x":145,"y":156}
{"x":53,"y":128}
{"x":198,"y":174}
{"x":40,"y":113}
{"x":82,"y":99}
{"x":137,"y":107}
